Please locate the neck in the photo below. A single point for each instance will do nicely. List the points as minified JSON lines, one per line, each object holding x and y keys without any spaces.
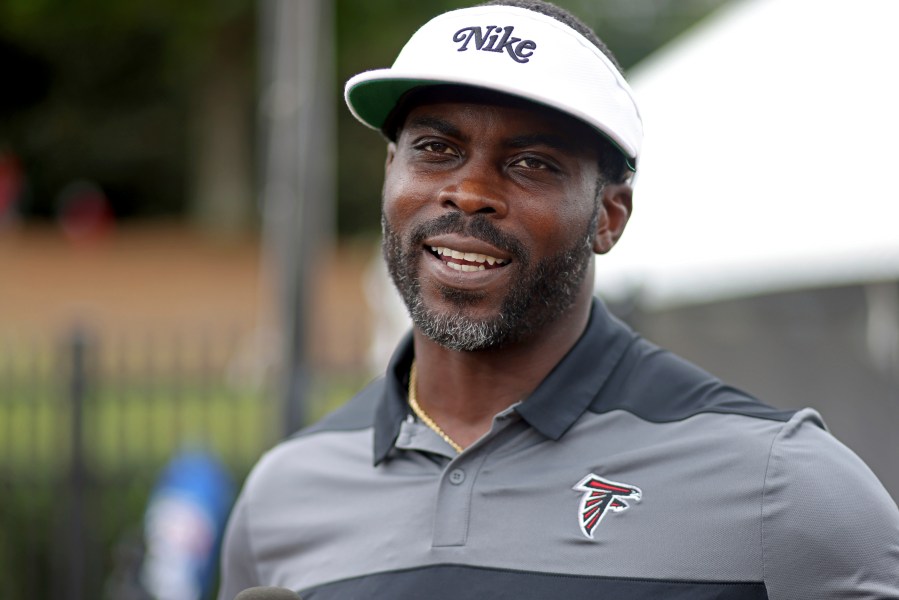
{"x":463,"y":391}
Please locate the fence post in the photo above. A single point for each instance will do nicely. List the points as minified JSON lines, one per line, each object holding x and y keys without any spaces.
{"x":77,"y":350}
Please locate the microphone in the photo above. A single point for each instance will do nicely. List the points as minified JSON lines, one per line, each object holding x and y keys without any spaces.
{"x":267,"y":593}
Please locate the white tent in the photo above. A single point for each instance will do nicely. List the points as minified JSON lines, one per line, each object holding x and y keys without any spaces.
{"x":771,"y":156}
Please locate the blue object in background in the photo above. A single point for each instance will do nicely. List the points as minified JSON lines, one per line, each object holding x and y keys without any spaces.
{"x":183,"y":527}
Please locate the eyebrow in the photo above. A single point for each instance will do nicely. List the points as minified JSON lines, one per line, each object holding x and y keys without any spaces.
{"x":558,"y":142}
{"x":437,"y":124}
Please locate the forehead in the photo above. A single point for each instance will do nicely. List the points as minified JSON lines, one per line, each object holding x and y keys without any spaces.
{"x":477,"y":107}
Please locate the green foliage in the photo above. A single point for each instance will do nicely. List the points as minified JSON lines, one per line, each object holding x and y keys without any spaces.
{"x":119,"y":79}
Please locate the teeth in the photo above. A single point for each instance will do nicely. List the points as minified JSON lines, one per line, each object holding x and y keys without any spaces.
{"x":469,"y":257}
{"x":465,"y":268}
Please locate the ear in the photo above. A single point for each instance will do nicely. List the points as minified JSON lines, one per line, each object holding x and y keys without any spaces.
{"x":391,"y":152}
{"x":614,"y":212}
{"x":388,"y":162}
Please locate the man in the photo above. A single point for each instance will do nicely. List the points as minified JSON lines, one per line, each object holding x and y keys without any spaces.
{"x":524,"y":443}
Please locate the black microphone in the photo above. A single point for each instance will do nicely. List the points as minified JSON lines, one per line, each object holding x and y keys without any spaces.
{"x":267,"y":593}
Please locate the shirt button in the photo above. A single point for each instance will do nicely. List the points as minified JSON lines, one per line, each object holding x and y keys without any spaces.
{"x":457,"y":476}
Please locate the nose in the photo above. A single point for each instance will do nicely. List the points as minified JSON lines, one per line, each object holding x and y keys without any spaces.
{"x":475,"y":192}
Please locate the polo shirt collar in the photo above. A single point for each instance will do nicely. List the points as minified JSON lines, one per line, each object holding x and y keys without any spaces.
{"x":393,"y":406}
{"x":556,"y":404}
{"x":570,"y":388}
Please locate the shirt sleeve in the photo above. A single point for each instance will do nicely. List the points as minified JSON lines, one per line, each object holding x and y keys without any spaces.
{"x":829,"y":530}
{"x":238,"y":565}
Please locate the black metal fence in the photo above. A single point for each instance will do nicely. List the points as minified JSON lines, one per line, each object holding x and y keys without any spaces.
{"x":86,"y":426}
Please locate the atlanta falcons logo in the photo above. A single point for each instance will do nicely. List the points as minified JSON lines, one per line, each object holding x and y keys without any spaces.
{"x":601,"y":496}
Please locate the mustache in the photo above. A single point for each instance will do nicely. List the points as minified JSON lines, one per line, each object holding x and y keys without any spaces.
{"x":478,"y":227}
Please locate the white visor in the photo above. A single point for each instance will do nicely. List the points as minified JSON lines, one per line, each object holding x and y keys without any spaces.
{"x":511,"y":50}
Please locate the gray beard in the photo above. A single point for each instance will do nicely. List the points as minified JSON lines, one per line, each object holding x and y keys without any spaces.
{"x":539,"y":295}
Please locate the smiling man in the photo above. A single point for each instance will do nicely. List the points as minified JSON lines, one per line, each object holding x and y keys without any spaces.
{"x":524,"y":443}
{"x":512,"y":184}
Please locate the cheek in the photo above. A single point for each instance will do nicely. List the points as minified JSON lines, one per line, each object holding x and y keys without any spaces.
{"x":403,"y":195}
{"x":391,"y":195}
{"x":583,"y":210}
{"x":563,"y":218}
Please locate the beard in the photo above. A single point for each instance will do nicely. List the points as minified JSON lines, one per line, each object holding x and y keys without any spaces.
{"x":540,"y":292}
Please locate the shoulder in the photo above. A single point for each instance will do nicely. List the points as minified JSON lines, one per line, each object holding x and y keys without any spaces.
{"x":659,"y":386}
{"x":829,"y":529}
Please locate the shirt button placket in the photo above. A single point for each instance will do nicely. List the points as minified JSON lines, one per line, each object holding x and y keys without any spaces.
{"x":454,"y":500}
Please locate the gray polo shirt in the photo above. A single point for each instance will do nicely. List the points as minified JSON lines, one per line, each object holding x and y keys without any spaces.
{"x":628,"y":473}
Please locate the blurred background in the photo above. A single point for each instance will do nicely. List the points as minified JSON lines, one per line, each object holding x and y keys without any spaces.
{"x":189,"y":252}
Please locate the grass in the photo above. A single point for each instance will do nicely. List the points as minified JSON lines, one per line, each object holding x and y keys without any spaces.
{"x":143,"y":400}
{"x":132,"y":425}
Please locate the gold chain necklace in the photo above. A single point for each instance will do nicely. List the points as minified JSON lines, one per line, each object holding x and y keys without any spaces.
{"x":425,"y":417}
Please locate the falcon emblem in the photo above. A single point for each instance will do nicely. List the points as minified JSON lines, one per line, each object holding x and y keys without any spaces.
{"x":600,"y":497}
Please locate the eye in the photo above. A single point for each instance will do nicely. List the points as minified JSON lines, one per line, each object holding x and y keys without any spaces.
{"x":436,"y":148}
{"x":531,"y":162}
